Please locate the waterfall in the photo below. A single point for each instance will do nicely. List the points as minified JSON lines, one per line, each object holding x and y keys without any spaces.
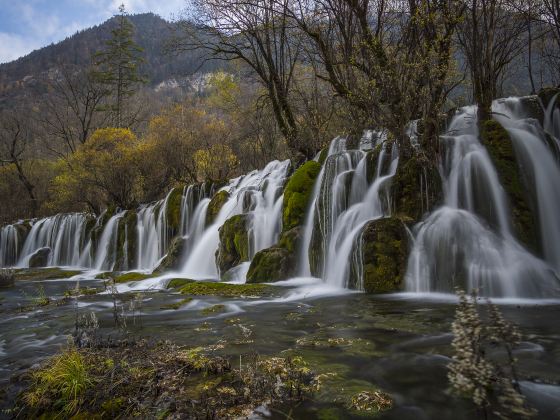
{"x":152,"y":234}
{"x":343,"y":201}
{"x":9,"y":246}
{"x":61,"y":234}
{"x":106,"y":254}
{"x":259,"y":195}
{"x":468,"y":242}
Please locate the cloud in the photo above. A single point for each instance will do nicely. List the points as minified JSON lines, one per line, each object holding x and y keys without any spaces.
{"x":13,"y":46}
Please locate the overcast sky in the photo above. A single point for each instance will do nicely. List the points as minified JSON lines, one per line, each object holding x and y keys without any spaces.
{"x":26,"y":25}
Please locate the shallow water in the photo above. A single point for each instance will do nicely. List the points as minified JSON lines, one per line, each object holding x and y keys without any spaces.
{"x":398,"y":343}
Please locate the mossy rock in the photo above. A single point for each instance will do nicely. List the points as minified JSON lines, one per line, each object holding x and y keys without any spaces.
{"x":323,"y":154}
{"x":416,"y":188}
{"x":22,"y":230}
{"x":132,"y":276}
{"x":126,"y":235}
{"x":290,"y":239}
{"x":547,"y":94}
{"x":501,"y":150}
{"x":173,"y":210}
{"x":384,"y":246}
{"x":200,"y":288}
{"x":40,"y":258}
{"x":297,"y":193}
{"x":50,"y":273}
{"x":178,"y":283}
{"x":177,"y":305}
{"x":234,"y":242}
{"x":270,"y":265}
{"x":215,"y":205}
{"x":173,"y":258}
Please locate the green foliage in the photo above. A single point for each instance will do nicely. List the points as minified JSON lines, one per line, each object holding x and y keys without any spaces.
{"x":64,"y":379}
{"x":297,"y":193}
{"x":118,"y":66}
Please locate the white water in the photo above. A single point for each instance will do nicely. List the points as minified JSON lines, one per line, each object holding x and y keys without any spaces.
{"x":468,"y":242}
{"x":106,"y":255}
{"x":258,"y":194}
{"x":9,"y":246}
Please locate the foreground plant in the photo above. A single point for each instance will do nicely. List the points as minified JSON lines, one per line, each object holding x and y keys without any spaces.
{"x":492,"y":386}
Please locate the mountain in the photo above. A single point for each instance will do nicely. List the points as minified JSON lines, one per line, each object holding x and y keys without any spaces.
{"x":20,"y":79}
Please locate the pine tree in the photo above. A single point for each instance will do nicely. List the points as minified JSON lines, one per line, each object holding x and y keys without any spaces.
{"x":118,"y":67}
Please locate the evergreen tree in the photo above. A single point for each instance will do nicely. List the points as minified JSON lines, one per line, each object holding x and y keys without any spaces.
{"x":118,"y":67}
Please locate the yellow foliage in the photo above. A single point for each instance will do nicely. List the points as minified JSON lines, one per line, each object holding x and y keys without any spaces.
{"x":216,"y":163}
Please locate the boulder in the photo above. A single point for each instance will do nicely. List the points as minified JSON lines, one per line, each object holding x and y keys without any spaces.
{"x":384,"y":251}
{"x":270,"y":265}
{"x":215,"y":206}
{"x":234,"y":242}
{"x":173,"y":258}
{"x":40,"y":258}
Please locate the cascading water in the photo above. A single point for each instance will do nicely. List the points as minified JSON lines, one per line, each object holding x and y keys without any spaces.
{"x":9,"y":246}
{"x":61,"y":234}
{"x":152,"y":234}
{"x":468,"y":242}
{"x":106,"y":254}
{"x":259,"y":195}
{"x":343,"y":202}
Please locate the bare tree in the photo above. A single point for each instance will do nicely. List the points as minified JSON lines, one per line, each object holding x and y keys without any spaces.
{"x":491,"y":36}
{"x":14,"y":139}
{"x":258,"y":33}
{"x":69,"y":112}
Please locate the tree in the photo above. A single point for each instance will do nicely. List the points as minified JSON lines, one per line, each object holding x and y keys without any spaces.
{"x":118,"y":67}
{"x":215,"y":163}
{"x":102,"y":172}
{"x":70,"y":109}
{"x":491,"y":36}
{"x":14,"y":139}
{"x":256,"y":32}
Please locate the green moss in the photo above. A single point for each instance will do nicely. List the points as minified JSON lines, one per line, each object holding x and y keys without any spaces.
{"x":177,"y":283}
{"x":499,"y":146}
{"x":173,"y":210}
{"x":214,"y":309}
{"x":323,"y":154}
{"x":297,"y":193}
{"x":226,"y":289}
{"x":215,"y":206}
{"x":45,"y":273}
{"x":289,"y":239}
{"x":178,"y":304}
{"x":234,"y":243}
{"x":126,"y":235}
{"x":384,"y":256}
{"x":412,"y":198}
{"x":132,"y":276}
{"x":270,"y":265}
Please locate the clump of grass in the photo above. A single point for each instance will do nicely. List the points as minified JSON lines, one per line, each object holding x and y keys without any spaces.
{"x":41,"y":298}
{"x":178,"y":304}
{"x":373,"y":402}
{"x":7,"y":277}
{"x":64,"y":381}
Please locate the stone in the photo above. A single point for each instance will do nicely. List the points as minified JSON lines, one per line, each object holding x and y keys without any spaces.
{"x":40,"y":258}
{"x":215,"y":206}
{"x":234,"y":242}
{"x":271,"y":265}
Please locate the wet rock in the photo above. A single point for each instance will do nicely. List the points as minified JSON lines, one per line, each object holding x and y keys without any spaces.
{"x":126,"y":241}
{"x":270,"y":265}
{"x":215,"y":206}
{"x":500,"y":148}
{"x":40,"y":258}
{"x":384,"y":250}
{"x":234,"y":243}
{"x":416,"y":188}
{"x":547,"y":94}
{"x":173,"y":210}
{"x":173,"y":258}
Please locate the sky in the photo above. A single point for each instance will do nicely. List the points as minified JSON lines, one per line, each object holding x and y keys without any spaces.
{"x":26,"y":25}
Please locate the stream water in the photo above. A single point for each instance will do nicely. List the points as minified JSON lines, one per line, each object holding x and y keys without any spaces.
{"x":398,"y":343}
